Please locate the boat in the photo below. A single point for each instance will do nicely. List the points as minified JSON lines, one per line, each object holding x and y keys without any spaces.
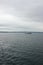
{"x":28,"y":32}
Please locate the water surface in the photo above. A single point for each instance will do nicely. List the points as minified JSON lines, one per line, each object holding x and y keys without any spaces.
{"x":21,"y":49}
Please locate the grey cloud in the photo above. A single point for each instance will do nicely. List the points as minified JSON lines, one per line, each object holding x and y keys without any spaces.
{"x":27,"y":10}
{"x":23,"y":8}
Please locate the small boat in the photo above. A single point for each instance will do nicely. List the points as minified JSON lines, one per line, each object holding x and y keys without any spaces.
{"x":28,"y":32}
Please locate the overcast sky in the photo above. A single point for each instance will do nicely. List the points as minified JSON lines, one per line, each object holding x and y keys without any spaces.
{"x":21,"y":15}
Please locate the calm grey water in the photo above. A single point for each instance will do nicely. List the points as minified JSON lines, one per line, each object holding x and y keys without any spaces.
{"x":21,"y":49}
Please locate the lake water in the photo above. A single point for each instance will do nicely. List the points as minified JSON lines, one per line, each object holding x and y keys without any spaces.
{"x":21,"y":49}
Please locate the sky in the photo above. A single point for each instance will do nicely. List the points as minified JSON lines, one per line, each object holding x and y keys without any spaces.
{"x":21,"y":15}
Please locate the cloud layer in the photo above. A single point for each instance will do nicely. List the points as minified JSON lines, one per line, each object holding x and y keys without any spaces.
{"x":21,"y":15}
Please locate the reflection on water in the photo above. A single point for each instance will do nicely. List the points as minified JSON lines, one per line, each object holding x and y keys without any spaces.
{"x":21,"y":49}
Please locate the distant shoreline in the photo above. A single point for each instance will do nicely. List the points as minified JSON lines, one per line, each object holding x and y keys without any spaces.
{"x":26,"y":32}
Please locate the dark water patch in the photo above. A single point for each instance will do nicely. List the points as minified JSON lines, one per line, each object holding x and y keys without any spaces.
{"x":21,"y":49}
